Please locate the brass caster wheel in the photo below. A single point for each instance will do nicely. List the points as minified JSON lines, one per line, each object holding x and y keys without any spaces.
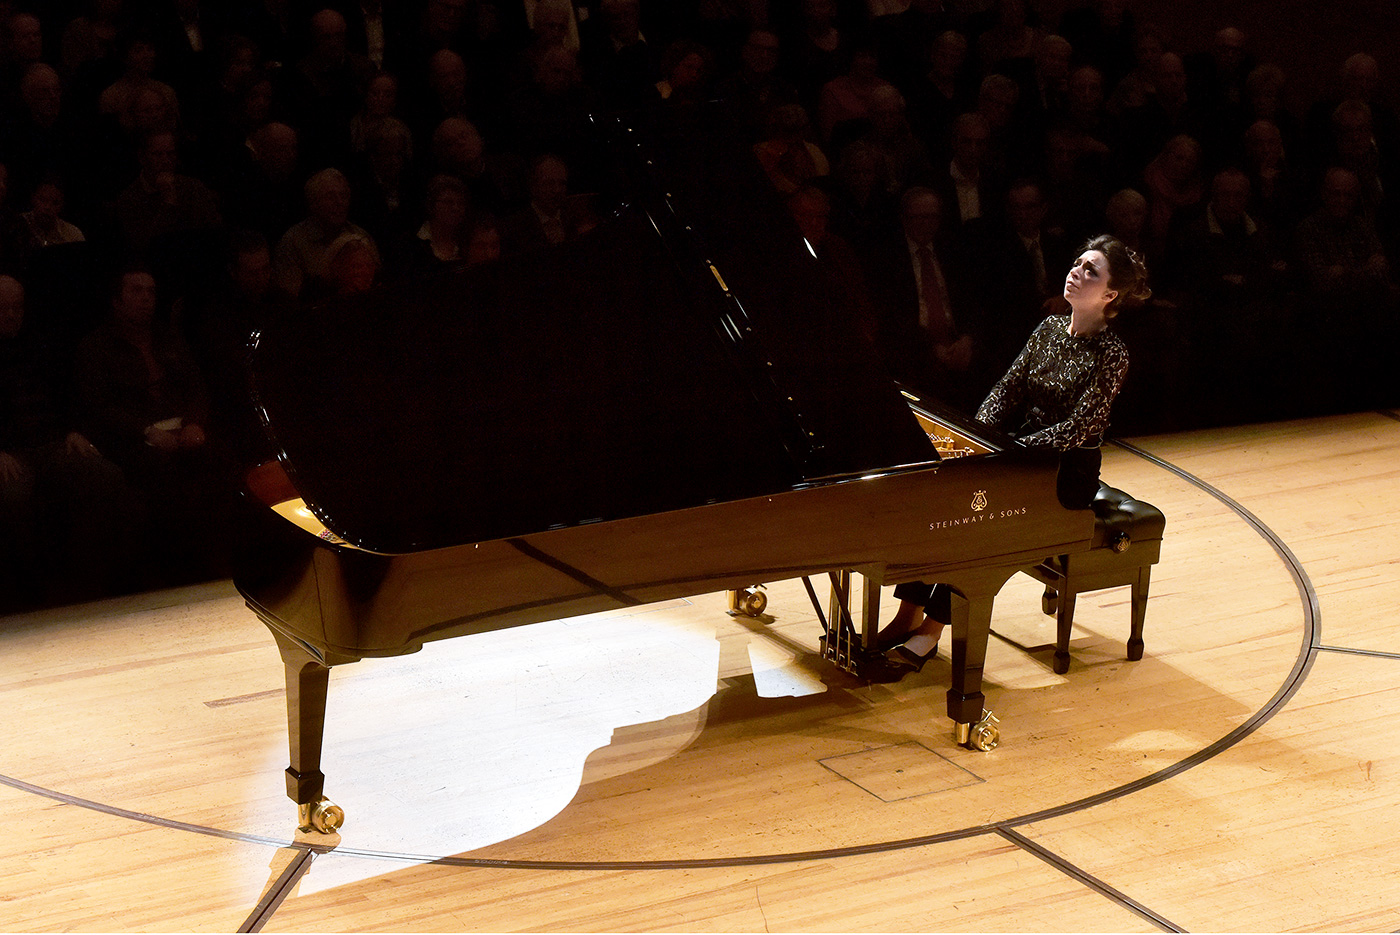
{"x":985,"y":735}
{"x":982,"y":735}
{"x":324,"y":817}
{"x":750,"y":602}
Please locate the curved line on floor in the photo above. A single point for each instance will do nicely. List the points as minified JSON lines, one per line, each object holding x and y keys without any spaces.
{"x":1291,"y":684}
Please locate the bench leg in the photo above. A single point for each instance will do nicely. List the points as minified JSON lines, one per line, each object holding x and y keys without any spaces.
{"x":1064,"y":624}
{"x":1139,"y":612}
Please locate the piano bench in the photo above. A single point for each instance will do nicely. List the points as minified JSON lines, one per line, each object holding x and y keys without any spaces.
{"x":1127,"y":543}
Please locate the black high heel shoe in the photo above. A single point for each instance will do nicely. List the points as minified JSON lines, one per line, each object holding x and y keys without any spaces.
{"x":901,"y":655}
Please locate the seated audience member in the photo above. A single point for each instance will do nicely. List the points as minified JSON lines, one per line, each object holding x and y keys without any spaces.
{"x":162,"y":201}
{"x":968,"y":188}
{"x":442,"y":240}
{"x":1125,"y":218}
{"x":942,"y":92}
{"x":1045,"y":90}
{"x":1223,"y":266}
{"x":924,"y":332}
{"x":67,"y":517}
{"x":1173,"y":183}
{"x":839,"y":267}
{"x":616,"y":58}
{"x":352,"y":266}
{"x":43,"y":137}
{"x":139,"y":65}
{"x":89,"y":45}
{"x":380,"y":107}
{"x":458,"y":149}
{"x":818,"y":50}
{"x":21,"y":46}
{"x":1169,"y":113}
{"x":484,"y":241}
{"x":218,"y":321}
{"x":864,"y":209}
{"x":1359,"y":81}
{"x":1017,"y":257}
{"x":1219,"y":74}
{"x":386,"y":186}
{"x":47,"y":228}
{"x":327,"y":86}
{"x":1265,"y":88}
{"x":1355,"y":147}
{"x":551,"y":217}
{"x":847,"y":99}
{"x":1219,"y":253}
{"x":264,"y":192}
{"x":905,"y":157}
{"x":551,"y":111}
{"x":1008,"y":144}
{"x":1085,"y":108}
{"x":1102,"y":34}
{"x":141,"y":399}
{"x":1350,"y":296}
{"x":786,"y":152}
{"x":685,"y":73}
{"x":758,"y":86}
{"x":447,"y":94}
{"x":1338,"y":247}
{"x":302,"y":252}
{"x":1137,"y":87}
{"x":1009,"y":45}
{"x":1275,"y":183}
{"x":137,"y":382}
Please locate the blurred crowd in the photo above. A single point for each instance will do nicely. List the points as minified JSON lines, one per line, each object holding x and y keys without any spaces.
{"x":174,"y":171}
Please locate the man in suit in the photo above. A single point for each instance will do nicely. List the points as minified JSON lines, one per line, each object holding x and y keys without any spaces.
{"x":921,"y":297}
{"x":1023,"y":261}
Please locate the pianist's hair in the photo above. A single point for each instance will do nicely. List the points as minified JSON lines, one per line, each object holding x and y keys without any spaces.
{"x":1127,"y":272}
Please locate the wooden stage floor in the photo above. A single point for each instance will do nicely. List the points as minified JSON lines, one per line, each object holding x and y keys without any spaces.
{"x":671,"y":768}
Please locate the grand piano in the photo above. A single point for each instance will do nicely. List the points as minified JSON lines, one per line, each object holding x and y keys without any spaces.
{"x":672,"y":404}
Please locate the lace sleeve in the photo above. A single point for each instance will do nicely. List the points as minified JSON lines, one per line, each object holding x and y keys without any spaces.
{"x":1007,"y":398}
{"x":1088,"y":420}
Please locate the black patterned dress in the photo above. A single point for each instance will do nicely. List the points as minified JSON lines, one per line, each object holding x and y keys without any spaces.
{"x":1057,"y":394}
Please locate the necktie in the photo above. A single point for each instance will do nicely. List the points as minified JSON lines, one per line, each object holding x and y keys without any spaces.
{"x":1038,"y":268}
{"x":938,"y":323}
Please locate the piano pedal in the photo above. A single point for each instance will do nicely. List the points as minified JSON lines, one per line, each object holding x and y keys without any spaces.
{"x":841,"y":653}
{"x":748,"y":602}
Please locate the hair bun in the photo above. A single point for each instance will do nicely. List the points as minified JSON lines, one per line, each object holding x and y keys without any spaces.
{"x":1127,"y":270}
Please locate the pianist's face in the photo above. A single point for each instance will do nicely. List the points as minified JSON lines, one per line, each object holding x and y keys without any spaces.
{"x":1087,"y":286}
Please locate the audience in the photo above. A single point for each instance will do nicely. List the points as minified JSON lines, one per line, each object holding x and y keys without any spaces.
{"x":941,"y":160}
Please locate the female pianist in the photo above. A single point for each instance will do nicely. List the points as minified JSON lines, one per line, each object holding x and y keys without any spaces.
{"x":1057,"y":394}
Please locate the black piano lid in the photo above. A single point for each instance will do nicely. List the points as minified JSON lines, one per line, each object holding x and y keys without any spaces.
{"x":608,"y":377}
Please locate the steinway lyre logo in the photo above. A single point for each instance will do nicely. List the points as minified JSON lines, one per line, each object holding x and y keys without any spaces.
{"x":979,"y":501}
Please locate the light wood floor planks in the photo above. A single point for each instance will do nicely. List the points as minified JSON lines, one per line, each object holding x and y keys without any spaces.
{"x":671,"y":769}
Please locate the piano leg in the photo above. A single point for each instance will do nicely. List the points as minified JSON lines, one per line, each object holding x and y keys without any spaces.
{"x":308,"y":680}
{"x":971,"y":623}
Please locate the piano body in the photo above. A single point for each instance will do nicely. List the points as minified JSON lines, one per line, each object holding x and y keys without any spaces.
{"x":669,"y":405}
